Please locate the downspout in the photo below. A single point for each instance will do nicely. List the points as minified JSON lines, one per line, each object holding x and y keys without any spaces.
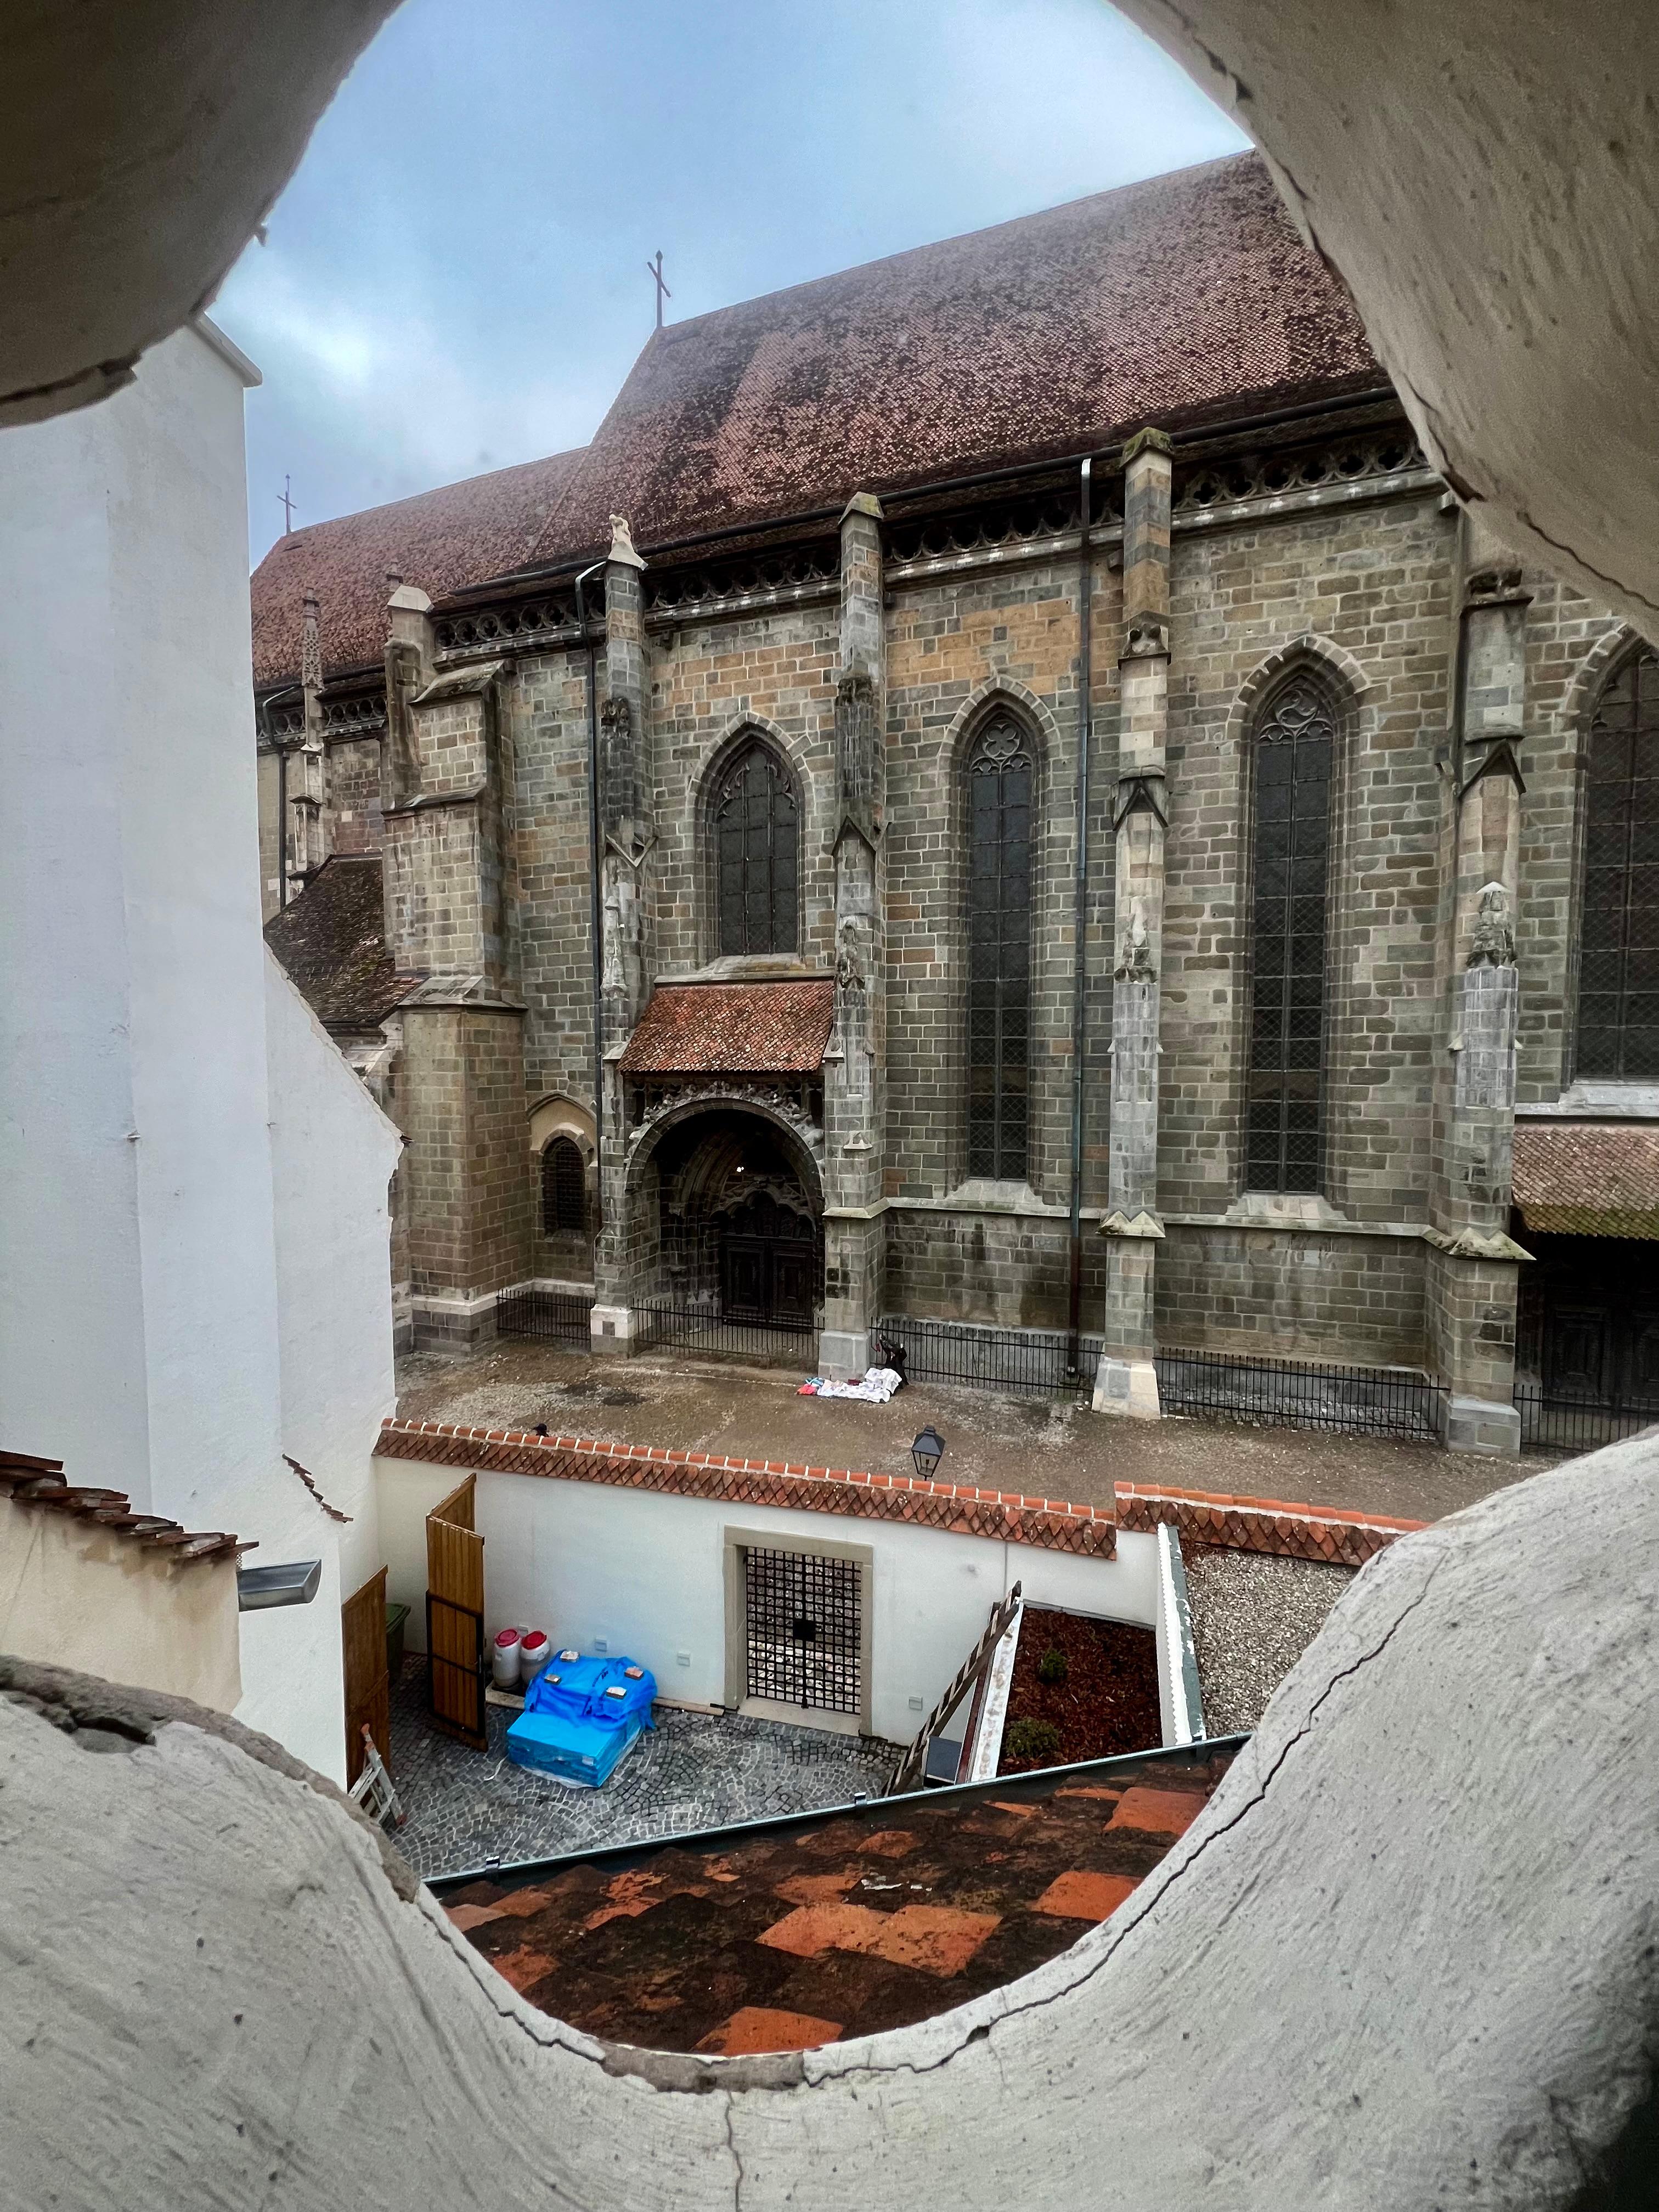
{"x":595,"y":910}
{"x":281,"y":752}
{"x":1079,"y":981}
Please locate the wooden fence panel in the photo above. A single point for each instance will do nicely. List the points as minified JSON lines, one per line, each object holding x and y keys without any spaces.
{"x":367,"y":1685}
{"x":455,"y":1604}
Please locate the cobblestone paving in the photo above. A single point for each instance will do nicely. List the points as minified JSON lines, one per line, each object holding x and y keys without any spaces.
{"x":694,"y":1771}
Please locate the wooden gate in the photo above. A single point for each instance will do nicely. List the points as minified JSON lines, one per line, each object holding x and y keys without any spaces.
{"x":367,"y":1686}
{"x":454,"y":1617}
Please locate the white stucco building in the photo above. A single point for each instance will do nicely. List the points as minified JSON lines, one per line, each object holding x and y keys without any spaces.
{"x":193,"y":1265}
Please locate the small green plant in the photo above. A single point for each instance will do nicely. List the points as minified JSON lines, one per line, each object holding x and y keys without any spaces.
{"x":1031,"y":1739}
{"x":1052,"y":1666}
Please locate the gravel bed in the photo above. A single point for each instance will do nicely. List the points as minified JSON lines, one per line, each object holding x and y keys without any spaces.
{"x":1253,"y":1617}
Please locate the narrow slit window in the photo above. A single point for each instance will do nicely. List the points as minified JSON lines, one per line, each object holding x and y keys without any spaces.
{"x":1294,"y":754}
{"x":1000,"y":779}
{"x":564,"y":1189}
{"x":1618,"y":917}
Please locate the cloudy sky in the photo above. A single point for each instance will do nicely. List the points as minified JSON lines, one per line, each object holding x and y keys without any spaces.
{"x":455,"y":278}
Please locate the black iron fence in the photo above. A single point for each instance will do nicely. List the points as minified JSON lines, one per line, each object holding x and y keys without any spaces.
{"x":664,"y":1325}
{"x":1033,"y":1360}
{"x":1385,"y":1401}
{"x":560,"y":1315}
{"x":1552,"y":1421}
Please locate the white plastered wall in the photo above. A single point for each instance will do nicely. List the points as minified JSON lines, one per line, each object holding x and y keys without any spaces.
{"x":645,"y":1571}
{"x":141,"y":1337}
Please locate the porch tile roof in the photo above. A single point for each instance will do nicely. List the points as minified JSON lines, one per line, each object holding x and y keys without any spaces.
{"x":701,"y":1943}
{"x":1588,"y":1179}
{"x":732,"y":1028}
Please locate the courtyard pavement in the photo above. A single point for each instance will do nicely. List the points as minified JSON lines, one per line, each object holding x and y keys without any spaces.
{"x":694,"y":1771}
{"x":1047,"y":1447}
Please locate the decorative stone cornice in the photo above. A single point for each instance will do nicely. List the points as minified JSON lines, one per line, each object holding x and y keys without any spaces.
{"x":1470,"y":1245}
{"x":1149,"y":440}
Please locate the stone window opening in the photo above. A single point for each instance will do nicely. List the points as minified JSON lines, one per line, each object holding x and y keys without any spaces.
{"x":564,"y":1189}
{"x":1617,"y":1012}
{"x":756,"y":836}
{"x":1001,"y":786}
{"x":1293,"y":765}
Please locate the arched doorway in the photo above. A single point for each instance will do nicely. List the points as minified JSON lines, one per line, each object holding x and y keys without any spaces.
{"x":740,"y":1224}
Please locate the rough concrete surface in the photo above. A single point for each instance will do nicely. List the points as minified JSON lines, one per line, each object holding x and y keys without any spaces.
{"x":1253,"y":1617}
{"x":1048,"y":1447}
{"x":1405,"y":1957}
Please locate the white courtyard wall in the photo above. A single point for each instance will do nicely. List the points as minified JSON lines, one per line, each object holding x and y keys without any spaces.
{"x":645,"y":1570}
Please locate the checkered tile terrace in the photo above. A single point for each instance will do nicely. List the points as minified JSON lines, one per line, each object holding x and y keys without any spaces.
{"x":1249,"y":1524}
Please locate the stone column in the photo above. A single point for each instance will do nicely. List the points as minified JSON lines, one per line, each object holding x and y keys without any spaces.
{"x":625,"y":843}
{"x":307,"y":765}
{"x":1473,"y":1274}
{"x":1127,"y":1382}
{"x":854,"y":1064}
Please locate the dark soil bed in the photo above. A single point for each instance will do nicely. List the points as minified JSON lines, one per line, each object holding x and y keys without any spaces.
{"x":1108,"y":1702}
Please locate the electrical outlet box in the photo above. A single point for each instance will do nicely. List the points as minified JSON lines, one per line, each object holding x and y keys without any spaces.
{"x":601,"y":1643}
{"x":916,"y":1704}
{"x":683,"y":1658}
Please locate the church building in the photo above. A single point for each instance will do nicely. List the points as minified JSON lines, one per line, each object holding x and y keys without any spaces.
{"x":1003,"y":793}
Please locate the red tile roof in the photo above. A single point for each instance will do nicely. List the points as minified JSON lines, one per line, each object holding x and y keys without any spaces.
{"x":732,"y":1028}
{"x":39,"y":1483}
{"x":331,"y":944}
{"x":1588,"y":1179}
{"x":441,"y":540}
{"x":1181,"y":299}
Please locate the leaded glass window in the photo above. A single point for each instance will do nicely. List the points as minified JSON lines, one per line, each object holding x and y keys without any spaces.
{"x":1294,"y":749}
{"x":1619,"y":939}
{"x":756,"y":845}
{"x":1000,"y":774}
{"x":564,"y":1189}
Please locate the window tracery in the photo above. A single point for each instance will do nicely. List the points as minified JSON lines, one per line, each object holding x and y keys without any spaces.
{"x":756,"y":834}
{"x":1618,"y":913}
{"x":1293,"y":750}
{"x":1000,"y":771}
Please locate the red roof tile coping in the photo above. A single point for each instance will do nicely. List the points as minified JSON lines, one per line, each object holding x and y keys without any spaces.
{"x":953,"y":1509}
{"x":31,"y":1481}
{"x":1336,"y":1535}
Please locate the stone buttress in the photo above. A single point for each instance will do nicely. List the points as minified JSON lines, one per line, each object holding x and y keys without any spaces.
{"x":854,"y":1064}
{"x":626,"y":838}
{"x":1126,"y":1381}
{"x":451,"y":903}
{"x":1473,"y":1273}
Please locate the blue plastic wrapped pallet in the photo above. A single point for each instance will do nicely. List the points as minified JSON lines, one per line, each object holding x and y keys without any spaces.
{"x":581,"y":1715}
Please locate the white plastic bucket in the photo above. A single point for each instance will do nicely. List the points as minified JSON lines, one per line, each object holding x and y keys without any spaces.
{"x":504,"y":1660}
{"x":534,"y":1652}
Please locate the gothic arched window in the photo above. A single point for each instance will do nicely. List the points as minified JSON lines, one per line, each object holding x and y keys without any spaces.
{"x":1293,"y":749}
{"x":757,"y":855}
{"x":1000,"y":784}
{"x":564,"y":1189}
{"x":1619,"y":922}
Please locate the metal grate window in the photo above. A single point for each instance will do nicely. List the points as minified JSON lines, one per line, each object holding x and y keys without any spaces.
{"x":1294,"y":751}
{"x":564,"y":1189}
{"x":802,"y":1626}
{"x":1618,"y":956}
{"x":1000,"y":792}
{"x":756,"y":841}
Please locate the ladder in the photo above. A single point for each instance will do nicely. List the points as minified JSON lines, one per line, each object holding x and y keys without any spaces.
{"x":373,"y":1788}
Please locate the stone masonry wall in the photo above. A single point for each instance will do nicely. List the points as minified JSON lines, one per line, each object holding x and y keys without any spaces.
{"x":704,"y":682}
{"x":544,"y":705}
{"x":1293,"y":1294}
{"x":1006,"y":1269}
{"x":948,"y":643}
{"x":353,"y":769}
{"x":1563,"y":632}
{"x":1376,"y":582}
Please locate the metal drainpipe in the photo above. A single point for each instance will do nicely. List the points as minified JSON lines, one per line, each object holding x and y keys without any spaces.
{"x":1079,"y":979}
{"x":282,"y":753}
{"x":595,"y":917}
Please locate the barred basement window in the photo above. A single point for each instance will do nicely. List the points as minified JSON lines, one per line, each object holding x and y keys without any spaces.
{"x":564,"y":1189}
{"x":1619,"y":923}
{"x":756,"y":844}
{"x":1000,"y":776}
{"x":1294,"y":751}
